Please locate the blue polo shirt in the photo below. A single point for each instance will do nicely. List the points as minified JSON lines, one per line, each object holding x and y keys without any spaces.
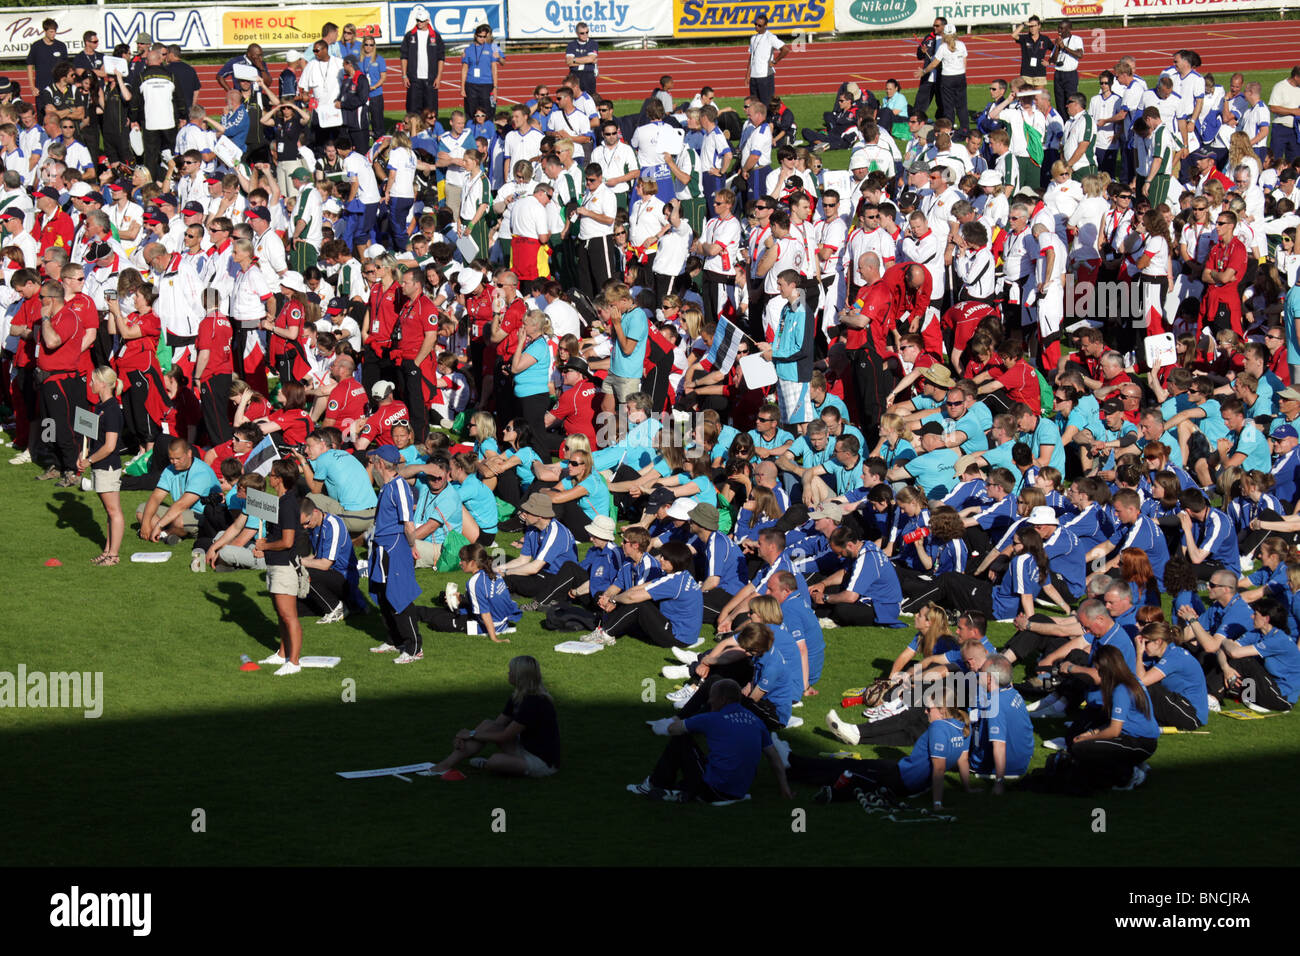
{"x":1046,"y":433}
{"x":636,"y":326}
{"x":1145,"y":534}
{"x":723,"y":558}
{"x":444,"y":507}
{"x":1022,"y":577}
{"x":945,"y":739}
{"x":198,"y":479}
{"x":346,"y":480}
{"x":1184,"y":676}
{"x":736,"y":739}
{"x":972,"y":425}
{"x":1136,"y":723}
{"x":807,"y":458}
{"x":1281,"y":659}
{"x":536,"y":379}
{"x":875,"y":582}
{"x":480,"y":501}
{"x":1217,"y":535}
{"x":1002,"y":721}
{"x":489,"y":595}
{"x":935,"y":471}
{"x":681,"y":601}
{"x":478,"y":58}
{"x":602,"y":564}
{"x":801,"y":621}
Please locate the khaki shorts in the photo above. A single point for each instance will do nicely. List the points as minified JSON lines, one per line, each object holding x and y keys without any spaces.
{"x":287,"y":579}
{"x":1038,"y":81}
{"x":104,"y":480}
{"x":620,"y":387}
{"x":537,"y":767}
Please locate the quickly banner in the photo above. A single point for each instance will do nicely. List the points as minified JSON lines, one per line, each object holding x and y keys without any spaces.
{"x":729,"y":18}
{"x":607,"y":18}
{"x":455,"y":20}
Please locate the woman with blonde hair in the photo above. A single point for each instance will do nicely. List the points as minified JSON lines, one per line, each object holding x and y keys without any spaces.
{"x":581,"y":496}
{"x":895,"y":445}
{"x":526,"y":733}
{"x":1241,"y":153}
{"x":483,"y":432}
{"x":530,"y":368}
{"x":951,"y":58}
{"x":103,"y":457}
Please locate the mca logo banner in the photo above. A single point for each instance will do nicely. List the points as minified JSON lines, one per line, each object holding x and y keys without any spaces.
{"x":721,"y":18}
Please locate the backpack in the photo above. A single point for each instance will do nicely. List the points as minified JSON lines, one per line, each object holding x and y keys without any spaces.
{"x":570,"y":617}
{"x":1045,"y":394}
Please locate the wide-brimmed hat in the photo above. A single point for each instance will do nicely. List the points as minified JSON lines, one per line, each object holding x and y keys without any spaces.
{"x":602,"y":527}
{"x":540,"y":505}
{"x":829,"y":509}
{"x":681,"y":509}
{"x":704,"y":515}
{"x":937,"y":374}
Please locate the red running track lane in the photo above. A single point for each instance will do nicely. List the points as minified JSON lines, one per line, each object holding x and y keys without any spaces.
{"x":821,"y":66}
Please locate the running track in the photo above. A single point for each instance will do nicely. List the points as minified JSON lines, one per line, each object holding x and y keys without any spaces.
{"x":820,"y":67}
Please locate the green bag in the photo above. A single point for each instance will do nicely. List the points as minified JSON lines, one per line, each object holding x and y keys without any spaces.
{"x":458,"y":426}
{"x":1045,"y":394}
{"x":505,"y":511}
{"x":449,"y":560}
{"x":139,"y":465}
{"x":164,"y":353}
{"x":725,"y":521}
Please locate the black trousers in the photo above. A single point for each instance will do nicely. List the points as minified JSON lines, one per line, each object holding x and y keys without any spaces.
{"x":422,"y":95}
{"x":763,"y":88}
{"x":874,"y":382}
{"x":857,"y":614}
{"x":539,"y":586}
{"x":952,"y":101}
{"x":60,"y":399}
{"x":478,"y":96}
{"x":329,"y":589}
{"x":866,"y":774}
{"x":533,"y":409}
{"x":155,"y":141}
{"x":714,"y":601}
{"x":403,"y":627}
{"x":1171,"y":709}
{"x":1029,"y":646}
{"x":442,"y":620}
{"x":1065,"y":83}
{"x":733,"y":665}
{"x":1109,"y":763}
{"x":1256,"y":678}
{"x":681,"y":767}
{"x":965,"y":592}
{"x":925,"y":92}
{"x":643,"y":620}
{"x":900,"y":730}
{"x":714,"y":295}
{"x":375,"y":368}
{"x":412,"y":386}
{"x":375,"y":114}
{"x":214,"y":396}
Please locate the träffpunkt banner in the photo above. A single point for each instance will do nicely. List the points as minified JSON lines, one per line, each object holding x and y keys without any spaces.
{"x":724,"y":18}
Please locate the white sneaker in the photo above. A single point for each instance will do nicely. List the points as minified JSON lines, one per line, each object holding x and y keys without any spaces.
{"x":1214,"y":705}
{"x":478,"y":763}
{"x":682,"y":693}
{"x":793,"y":722}
{"x":383,"y":649}
{"x":783,"y":750}
{"x":334,"y":615}
{"x":405,"y":658}
{"x":1139,"y":777}
{"x":288,"y":668}
{"x":685,"y":656}
{"x":846,"y":732}
{"x":890,"y":708}
{"x":678,"y":672}
{"x":453,"y":596}
{"x":598,"y":636}
{"x":699,"y":642}
{"x":1054,"y":743}
{"x":198,"y":561}
{"x":828,"y":624}
{"x":273,"y":659}
{"x":24,"y":457}
{"x":1049,"y":706}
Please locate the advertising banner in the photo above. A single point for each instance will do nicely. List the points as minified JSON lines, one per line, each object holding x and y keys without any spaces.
{"x":289,"y":26}
{"x":728,"y":18}
{"x":455,"y":20}
{"x":607,"y":18}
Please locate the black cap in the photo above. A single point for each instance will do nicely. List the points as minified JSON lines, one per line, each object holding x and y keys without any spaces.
{"x":168,"y":198}
{"x":97,"y":250}
{"x":931,"y":428}
{"x":1112,"y":405}
{"x":49,"y":192}
{"x":193,"y":208}
{"x":661,"y":497}
{"x":907,"y":199}
{"x":337,"y":305}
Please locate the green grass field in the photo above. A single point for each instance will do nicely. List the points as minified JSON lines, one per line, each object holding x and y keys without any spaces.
{"x":183,"y":729}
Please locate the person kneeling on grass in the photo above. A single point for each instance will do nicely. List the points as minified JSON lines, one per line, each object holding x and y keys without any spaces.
{"x":736,"y":738}
{"x":492,"y":610}
{"x":526,"y":732}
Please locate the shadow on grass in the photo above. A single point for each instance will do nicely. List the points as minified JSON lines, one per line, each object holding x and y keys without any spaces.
{"x":72,"y":511}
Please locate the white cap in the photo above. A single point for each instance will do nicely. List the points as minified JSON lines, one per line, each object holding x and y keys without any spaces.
{"x":859,"y":160}
{"x":419,"y":14}
{"x":382,"y":388}
{"x":949,"y":29}
{"x":1043,"y":515}
{"x":470,"y":280}
{"x":990,"y":177}
{"x":80,"y":189}
{"x":681,"y":509}
{"x":332,"y":206}
{"x":375,"y":250}
{"x":293,"y":56}
{"x":293,"y":281}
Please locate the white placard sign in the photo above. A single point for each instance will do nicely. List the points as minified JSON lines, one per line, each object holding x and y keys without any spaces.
{"x":263,"y":505}
{"x":244,"y":71}
{"x":86,"y":423}
{"x":1161,"y":350}
{"x":228,"y":152}
{"x":758,"y":371}
{"x":116,"y":64}
{"x":384,"y":771}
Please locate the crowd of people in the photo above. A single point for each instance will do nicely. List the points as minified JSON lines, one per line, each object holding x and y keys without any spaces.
{"x":1041,"y":357}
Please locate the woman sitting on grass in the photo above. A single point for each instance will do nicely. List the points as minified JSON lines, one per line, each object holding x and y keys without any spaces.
{"x":526,"y":732}
{"x":492,"y":611}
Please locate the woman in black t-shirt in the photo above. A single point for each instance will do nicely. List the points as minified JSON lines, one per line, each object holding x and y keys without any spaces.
{"x":526,"y":732}
{"x":285,"y":577}
{"x":104,"y":460}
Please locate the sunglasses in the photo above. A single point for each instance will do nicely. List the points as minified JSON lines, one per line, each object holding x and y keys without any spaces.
{"x":953,"y":404}
{"x":766,"y":421}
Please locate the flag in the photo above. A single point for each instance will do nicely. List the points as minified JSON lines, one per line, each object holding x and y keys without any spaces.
{"x":259,"y":460}
{"x":726,"y":346}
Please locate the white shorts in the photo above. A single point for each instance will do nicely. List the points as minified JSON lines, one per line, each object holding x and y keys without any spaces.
{"x":795,"y":401}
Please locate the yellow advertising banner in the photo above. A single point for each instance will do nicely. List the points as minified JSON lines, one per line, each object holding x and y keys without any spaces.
{"x":725,"y":18}
{"x":297,"y":27}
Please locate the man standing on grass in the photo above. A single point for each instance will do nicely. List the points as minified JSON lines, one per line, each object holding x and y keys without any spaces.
{"x":766,"y":50}
{"x":392,"y":558}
